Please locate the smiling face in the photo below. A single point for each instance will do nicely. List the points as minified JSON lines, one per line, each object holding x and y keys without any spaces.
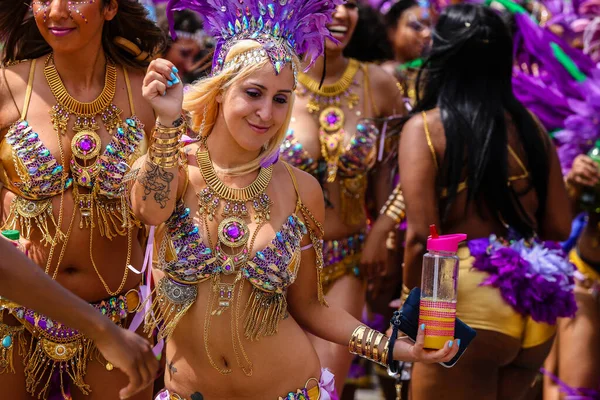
{"x":254,"y":109}
{"x":68,"y":25}
{"x":343,"y":25}
{"x":412,"y":35}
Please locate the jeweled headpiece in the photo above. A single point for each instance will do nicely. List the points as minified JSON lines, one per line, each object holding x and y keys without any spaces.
{"x":284,"y":28}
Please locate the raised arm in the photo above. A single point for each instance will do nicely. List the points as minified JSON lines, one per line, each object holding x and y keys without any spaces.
{"x":154,"y":191}
{"x":333,"y":323}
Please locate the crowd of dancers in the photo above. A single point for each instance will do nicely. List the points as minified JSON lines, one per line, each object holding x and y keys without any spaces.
{"x":228,"y":199}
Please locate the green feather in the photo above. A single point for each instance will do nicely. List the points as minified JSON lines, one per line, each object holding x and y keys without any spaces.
{"x":567,"y":63}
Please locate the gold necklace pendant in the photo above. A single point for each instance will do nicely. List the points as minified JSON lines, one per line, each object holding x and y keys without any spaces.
{"x":331,"y":136}
{"x":324,"y":96}
{"x":235,"y":199}
{"x":86,"y":143}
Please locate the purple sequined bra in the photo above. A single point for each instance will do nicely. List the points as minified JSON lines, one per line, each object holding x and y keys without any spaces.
{"x":356,"y":159}
{"x":533,"y":277}
{"x":40,"y":175}
{"x":272,"y":269}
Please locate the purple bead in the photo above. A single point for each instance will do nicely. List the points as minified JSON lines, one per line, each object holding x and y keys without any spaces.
{"x":332,"y":119}
{"x":233,"y":231}
{"x":86,"y":144}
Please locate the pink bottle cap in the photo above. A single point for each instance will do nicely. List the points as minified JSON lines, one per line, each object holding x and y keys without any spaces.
{"x":448,"y":243}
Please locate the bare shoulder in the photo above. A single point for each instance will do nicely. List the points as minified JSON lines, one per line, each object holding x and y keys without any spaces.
{"x":13,"y":85}
{"x":384,"y":87}
{"x":379,"y":77}
{"x":414,"y":132}
{"x":142,"y":109}
{"x":311,"y":193}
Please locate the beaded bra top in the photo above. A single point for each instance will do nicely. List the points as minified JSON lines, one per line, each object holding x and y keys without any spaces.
{"x":272,"y":269}
{"x":356,"y":160}
{"x":28,"y":169}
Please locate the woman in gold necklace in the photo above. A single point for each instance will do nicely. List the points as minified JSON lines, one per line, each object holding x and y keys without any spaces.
{"x":329,"y":139}
{"x":238,"y":234}
{"x":71,"y":124}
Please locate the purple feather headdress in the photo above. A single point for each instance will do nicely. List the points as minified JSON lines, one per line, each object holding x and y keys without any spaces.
{"x":284,"y":28}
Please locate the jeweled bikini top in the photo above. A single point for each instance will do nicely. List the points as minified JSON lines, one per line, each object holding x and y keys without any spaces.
{"x":272,"y":269}
{"x":357,"y":158}
{"x":28,"y":169}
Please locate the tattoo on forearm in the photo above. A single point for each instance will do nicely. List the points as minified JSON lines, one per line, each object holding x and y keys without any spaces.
{"x":158,"y":181}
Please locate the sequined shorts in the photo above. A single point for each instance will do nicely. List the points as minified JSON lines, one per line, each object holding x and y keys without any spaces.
{"x":325,"y":390}
{"x":342,"y":257}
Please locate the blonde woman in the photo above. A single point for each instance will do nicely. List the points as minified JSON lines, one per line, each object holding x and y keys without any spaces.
{"x":239,"y":234}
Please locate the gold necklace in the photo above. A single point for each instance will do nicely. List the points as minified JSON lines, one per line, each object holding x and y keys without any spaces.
{"x":232,"y":232}
{"x":332,"y":118}
{"x":86,"y":143}
{"x":325,"y":96}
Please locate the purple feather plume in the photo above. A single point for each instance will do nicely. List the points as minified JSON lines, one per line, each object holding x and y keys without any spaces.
{"x":534,"y":277}
{"x":301,"y":24}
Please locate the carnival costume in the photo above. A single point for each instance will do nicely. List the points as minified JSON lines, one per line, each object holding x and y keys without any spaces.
{"x":56,"y":353}
{"x":285,"y":29}
{"x":350,"y":163}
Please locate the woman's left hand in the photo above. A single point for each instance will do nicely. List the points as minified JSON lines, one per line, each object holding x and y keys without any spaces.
{"x":373,"y":261}
{"x":404,"y":351}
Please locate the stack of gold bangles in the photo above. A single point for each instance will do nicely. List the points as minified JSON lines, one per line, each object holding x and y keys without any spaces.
{"x":164,"y":151}
{"x":394,"y":207}
{"x":367,"y":343}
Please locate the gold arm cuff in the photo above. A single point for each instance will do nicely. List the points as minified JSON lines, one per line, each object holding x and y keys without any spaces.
{"x":369,"y":344}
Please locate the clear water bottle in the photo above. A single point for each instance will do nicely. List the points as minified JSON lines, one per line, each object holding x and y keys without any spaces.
{"x":15,"y":238}
{"x":439,"y":283}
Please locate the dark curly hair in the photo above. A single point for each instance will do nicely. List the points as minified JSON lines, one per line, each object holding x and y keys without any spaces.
{"x":23,"y":40}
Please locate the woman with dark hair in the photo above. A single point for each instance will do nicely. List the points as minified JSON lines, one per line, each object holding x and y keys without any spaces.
{"x":190,"y":44}
{"x":330,"y":138}
{"x":64,"y":177}
{"x":478,"y":163}
{"x":407,"y":24}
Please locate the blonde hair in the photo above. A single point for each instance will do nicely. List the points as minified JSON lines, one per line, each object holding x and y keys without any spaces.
{"x":201,"y":101}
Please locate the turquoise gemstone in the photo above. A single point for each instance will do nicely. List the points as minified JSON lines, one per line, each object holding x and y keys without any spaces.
{"x":131,"y":122}
{"x":57,"y":170}
{"x":7,"y":341}
{"x":271,"y":8}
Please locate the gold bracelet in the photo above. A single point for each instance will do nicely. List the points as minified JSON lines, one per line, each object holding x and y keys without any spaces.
{"x":369,"y":344}
{"x":164,"y":162}
{"x":166,"y":142}
{"x":163,"y":130}
{"x":355,"y":344}
{"x":378,"y":340}
{"x":161,"y":151}
{"x":384,"y":355}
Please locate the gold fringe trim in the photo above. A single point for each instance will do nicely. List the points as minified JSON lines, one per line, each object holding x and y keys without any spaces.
{"x":170,"y":303}
{"x":16,"y":334}
{"x":352,"y":200}
{"x":24,"y":215}
{"x":69,"y":358}
{"x":317,"y":241}
{"x":263,"y":313}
